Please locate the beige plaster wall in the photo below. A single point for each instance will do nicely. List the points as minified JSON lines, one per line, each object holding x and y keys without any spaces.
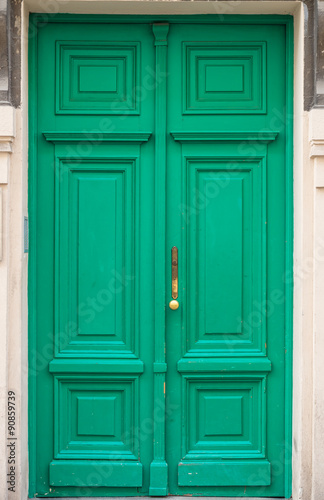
{"x":7,"y":134}
{"x":308,"y":392}
{"x":316,"y":139}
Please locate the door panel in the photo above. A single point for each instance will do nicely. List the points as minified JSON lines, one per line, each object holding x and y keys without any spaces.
{"x":98,"y":77}
{"x":95,"y":250}
{"x":225,"y":343}
{"x":224,"y":77}
{"x":224,"y":266}
{"x":149,"y":135}
{"x":95,"y":238}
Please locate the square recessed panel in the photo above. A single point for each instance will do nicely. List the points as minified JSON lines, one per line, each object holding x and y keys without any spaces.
{"x":224,"y":417}
{"x":224,"y":77}
{"x":97,"y":77}
{"x":96,"y":416}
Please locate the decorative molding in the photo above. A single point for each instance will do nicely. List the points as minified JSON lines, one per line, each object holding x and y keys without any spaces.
{"x":224,"y":365}
{"x":160,"y":367}
{"x":5,"y":152}
{"x":79,"y":473}
{"x":316,"y":148}
{"x":5,"y":144}
{"x":60,"y":365}
{"x":245,"y":90}
{"x":159,"y":466}
{"x":58,"y":137}
{"x":110,"y":90}
{"x":224,"y":473}
{"x":317,"y":154}
{"x":160,"y":31}
{"x":221,"y":136}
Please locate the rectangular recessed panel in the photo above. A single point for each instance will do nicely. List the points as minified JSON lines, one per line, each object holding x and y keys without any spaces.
{"x":222,"y":255}
{"x":224,"y":77}
{"x":95,"y":268}
{"x":97,"y":77}
{"x":237,"y":473}
{"x":99,"y":245}
{"x":225,"y":245}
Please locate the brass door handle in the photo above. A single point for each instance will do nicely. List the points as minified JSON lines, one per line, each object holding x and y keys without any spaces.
{"x":174,"y":304}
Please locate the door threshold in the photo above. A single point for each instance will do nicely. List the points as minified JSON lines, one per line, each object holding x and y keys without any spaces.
{"x":170,"y":498}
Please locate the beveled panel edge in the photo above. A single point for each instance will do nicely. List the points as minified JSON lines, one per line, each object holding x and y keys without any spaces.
{"x":67,"y":473}
{"x":134,"y":137}
{"x":71,"y":366}
{"x":221,"y":136}
{"x":224,"y":365}
{"x":158,"y":480}
{"x":220,"y":473}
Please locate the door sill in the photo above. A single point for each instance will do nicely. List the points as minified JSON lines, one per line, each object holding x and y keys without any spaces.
{"x":170,"y":498}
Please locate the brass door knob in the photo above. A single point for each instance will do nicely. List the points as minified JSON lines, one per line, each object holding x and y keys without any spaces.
{"x":173,"y":304}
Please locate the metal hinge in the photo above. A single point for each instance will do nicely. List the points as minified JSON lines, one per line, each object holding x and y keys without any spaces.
{"x":26,"y":235}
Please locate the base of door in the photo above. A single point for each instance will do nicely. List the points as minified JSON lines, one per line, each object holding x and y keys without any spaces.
{"x":158,"y":479}
{"x":171,"y":498}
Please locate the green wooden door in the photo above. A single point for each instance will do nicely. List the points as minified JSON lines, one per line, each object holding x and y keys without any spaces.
{"x":226,"y":214}
{"x":148,"y":134}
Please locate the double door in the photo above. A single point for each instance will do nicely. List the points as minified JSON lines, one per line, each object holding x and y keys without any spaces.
{"x":159,"y":173}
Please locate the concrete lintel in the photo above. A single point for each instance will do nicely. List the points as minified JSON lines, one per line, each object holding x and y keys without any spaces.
{"x":166,"y":7}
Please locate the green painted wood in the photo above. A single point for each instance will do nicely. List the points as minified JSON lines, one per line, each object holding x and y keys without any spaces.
{"x":100,"y":366}
{"x":104,"y":473}
{"x":160,"y":367}
{"x":100,"y":413}
{"x":73,"y":136}
{"x":227,"y":202}
{"x":224,"y":365}
{"x":242,"y":136}
{"x":159,"y":467}
{"x":38,"y":19}
{"x":289,"y":259}
{"x":79,"y":68}
{"x":139,"y":399}
{"x":207,"y":89}
{"x":225,"y":474}
{"x":94,"y":239}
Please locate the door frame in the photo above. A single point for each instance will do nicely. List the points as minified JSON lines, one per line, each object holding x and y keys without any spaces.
{"x":288,"y":22}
